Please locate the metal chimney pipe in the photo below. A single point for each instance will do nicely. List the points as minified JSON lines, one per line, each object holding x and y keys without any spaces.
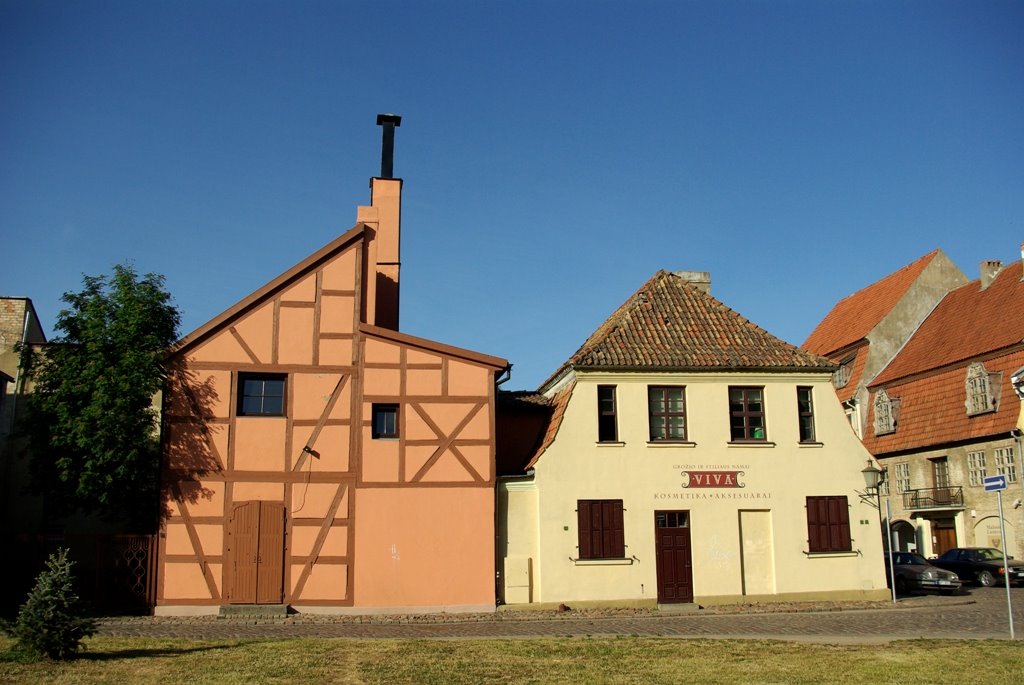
{"x":387,"y":147}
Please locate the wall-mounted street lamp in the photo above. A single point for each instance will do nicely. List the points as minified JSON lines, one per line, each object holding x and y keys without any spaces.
{"x":873,"y":479}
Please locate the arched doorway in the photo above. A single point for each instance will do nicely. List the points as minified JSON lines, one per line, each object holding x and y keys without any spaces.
{"x":904,"y":536}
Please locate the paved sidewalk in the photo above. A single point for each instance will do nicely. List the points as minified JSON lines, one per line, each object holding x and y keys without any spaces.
{"x":978,"y":614}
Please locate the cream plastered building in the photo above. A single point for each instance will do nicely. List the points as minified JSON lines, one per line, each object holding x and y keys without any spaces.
{"x":687,"y":455}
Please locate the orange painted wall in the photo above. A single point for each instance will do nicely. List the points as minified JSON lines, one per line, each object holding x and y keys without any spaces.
{"x":427,"y":547}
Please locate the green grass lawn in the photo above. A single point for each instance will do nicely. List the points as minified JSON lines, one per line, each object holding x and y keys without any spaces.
{"x":579,"y":661}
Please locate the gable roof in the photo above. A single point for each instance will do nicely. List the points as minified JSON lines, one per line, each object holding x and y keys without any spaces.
{"x":259,"y":295}
{"x":671,"y":325}
{"x":968,"y":322}
{"x":855,"y":315}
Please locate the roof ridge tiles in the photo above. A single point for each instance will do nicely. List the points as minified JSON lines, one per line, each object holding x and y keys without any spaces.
{"x":670,"y":324}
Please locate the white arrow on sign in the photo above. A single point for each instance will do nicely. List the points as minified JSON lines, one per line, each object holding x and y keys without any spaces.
{"x":995,"y":483}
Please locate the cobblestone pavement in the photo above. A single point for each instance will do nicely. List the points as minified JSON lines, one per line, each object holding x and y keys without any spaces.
{"x":978,"y":613}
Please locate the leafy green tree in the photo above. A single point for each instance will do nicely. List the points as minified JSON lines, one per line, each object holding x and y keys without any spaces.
{"x":92,"y":420}
{"x":52,"y":621}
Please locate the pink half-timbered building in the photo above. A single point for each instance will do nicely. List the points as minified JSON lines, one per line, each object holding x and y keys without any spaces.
{"x":315,"y":456}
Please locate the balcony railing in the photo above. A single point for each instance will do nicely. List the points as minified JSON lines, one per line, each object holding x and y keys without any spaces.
{"x":928,"y":498}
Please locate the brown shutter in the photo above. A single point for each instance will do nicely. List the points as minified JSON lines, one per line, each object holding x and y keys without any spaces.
{"x":814,"y":538}
{"x":828,"y":524}
{"x":839,"y":524}
{"x":583,"y":521}
{"x":614,"y":541}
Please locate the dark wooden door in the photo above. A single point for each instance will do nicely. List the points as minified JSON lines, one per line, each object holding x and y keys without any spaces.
{"x":672,"y":550}
{"x":943,"y":535}
{"x":255,"y":570}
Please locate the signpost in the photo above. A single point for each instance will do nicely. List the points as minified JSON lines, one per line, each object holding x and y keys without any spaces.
{"x":998,"y":484}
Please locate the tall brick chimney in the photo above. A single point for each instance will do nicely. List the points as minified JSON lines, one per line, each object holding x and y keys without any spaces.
{"x":384,"y":217}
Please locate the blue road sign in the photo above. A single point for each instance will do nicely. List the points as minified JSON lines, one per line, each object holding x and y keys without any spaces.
{"x":995,"y":483}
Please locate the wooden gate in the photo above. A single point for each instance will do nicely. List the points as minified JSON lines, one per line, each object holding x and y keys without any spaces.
{"x":255,"y":569}
{"x":672,"y":549}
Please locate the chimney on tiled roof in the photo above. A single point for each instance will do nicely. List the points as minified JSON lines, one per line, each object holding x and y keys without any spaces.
{"x":990,"y":268}
{"x":701,"y":280}
{"x":384,"y":218}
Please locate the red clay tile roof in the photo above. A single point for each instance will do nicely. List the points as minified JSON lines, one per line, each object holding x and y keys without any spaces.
{"x":559,"y":402}
{"x":668,"y":324}
{"x":855,"y":315}
{"x":932,"y":409}
{"x":860,"y":359}
{"x":967,"y":323}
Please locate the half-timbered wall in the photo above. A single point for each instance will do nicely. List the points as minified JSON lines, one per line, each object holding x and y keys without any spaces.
{"x":425,"y":499}
{"x":217,"y":459}
{"x":405,"y":521}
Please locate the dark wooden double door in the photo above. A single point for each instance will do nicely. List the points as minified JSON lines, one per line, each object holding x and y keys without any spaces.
{"x":254,"y":573}
{"x":674,"y":559}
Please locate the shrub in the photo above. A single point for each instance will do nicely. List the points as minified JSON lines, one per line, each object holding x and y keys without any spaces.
{"x":51,"y":622}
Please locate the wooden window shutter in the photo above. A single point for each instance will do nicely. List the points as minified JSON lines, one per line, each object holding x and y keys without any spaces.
{"x":583,"y":519}
{"x":828,"y":524}
{"x":600,"y":526}
{"x":614,"y":540}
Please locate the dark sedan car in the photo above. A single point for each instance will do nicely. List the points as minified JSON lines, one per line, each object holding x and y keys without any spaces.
{"x":983,"y":565}
{"x":913,"y":572}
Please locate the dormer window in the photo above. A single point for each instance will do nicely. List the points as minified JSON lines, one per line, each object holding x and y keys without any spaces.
{"x":887,"y":411}
{"x":842,"y":375}
{"x":979,"y":386}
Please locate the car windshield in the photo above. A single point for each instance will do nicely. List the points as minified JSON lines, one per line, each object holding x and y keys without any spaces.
{"x":989,"y":554}
{"x":909,"y":559}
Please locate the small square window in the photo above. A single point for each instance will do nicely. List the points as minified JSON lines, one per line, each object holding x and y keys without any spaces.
{"x":385,"y":421}
{"x":261,"y":394}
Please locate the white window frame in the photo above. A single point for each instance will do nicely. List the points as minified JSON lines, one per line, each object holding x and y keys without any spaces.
{"x":902,"y":476}
{"x":1006,"y":463}
{"x":976,"y":470}
{"x":978,"y":390}
{"x":886,"y":413}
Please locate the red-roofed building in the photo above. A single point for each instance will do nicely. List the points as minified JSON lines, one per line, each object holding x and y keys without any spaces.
{"x":940,"y":413}
{"x":683,"y":454}
{"x":864,"y":330}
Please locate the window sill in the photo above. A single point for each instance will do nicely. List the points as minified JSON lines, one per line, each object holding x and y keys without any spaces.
{"x":610,"y":443}
{"x":603,"y":562}
{"x":983,"y":412}
{"x":671,"y":443}
{"x":750,"y":443}
{"x":810,"y":444}
{"x":827,"y":555}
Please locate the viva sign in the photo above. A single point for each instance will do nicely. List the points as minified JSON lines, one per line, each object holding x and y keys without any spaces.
{"x":712,"y":479}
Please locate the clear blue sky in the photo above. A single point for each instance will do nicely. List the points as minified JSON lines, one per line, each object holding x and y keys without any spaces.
{"x":555,"y":154}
